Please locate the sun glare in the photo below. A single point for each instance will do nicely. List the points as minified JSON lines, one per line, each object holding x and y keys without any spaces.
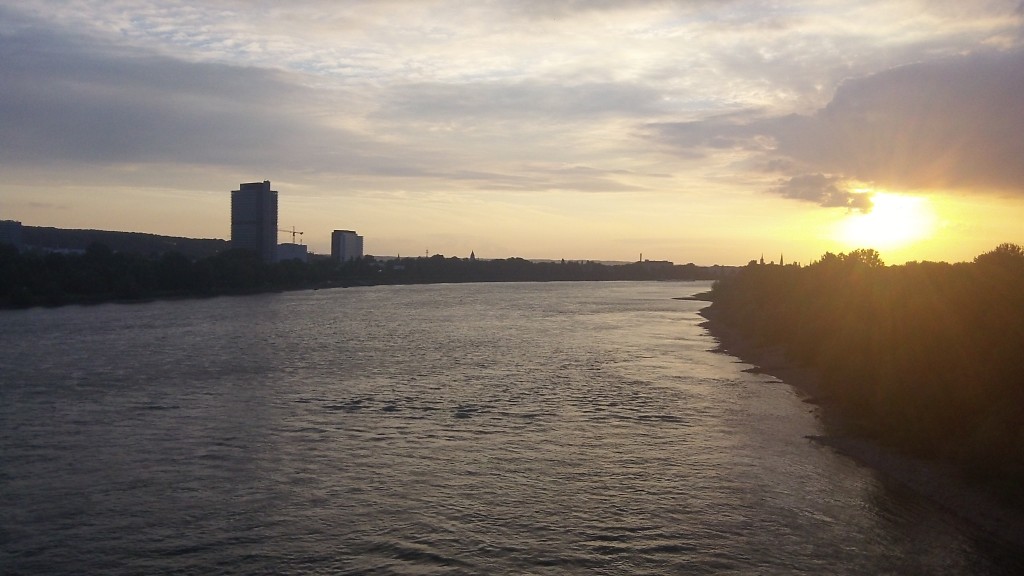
{"x":895,"y":222}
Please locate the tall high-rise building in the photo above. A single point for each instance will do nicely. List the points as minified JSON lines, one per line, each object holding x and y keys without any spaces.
{"x":346,"y":245}
{"x":254,"y":219}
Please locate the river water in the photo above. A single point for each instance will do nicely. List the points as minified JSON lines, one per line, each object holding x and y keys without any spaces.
{"x":562,"y":428}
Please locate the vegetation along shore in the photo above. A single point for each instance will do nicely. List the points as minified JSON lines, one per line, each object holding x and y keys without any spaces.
{"x":923,"y":359}
{"x":101,"y":274}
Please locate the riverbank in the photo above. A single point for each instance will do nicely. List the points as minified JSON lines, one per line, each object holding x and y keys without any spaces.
{"x":100,"y":274}
{"x":936,"y":481}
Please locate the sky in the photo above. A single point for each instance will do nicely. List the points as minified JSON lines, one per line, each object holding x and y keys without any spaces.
{"x":704,"y":131}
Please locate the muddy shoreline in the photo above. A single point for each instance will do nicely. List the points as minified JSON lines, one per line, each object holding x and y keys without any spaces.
{"x":933,"y":480}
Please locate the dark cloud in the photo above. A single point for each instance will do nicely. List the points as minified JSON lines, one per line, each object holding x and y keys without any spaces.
{"x":736,"y":131}
{"x":70,"y":98}
{"x":827,"y":191}
{"x":955,"y":124}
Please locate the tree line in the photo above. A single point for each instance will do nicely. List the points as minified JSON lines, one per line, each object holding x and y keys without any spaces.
{"x":927,"y":357}
{"x":100,"y":274}
{"x":49,"y":239}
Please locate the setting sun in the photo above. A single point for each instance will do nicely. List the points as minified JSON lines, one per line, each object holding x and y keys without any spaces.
{"x":894,"y":222}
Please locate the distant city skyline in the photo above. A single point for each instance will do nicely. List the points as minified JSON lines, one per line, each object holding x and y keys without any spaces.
{"x":705,"y":132}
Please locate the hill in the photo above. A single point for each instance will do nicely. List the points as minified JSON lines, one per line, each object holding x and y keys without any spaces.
{"x":130,"y":242}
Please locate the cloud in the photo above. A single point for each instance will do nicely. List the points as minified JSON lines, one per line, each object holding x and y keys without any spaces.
{"x":827,"y":191}
{"x":948,"y":124}
{"x":468,"y":95}
{"x":558,"y":9}
{"x":744,"y":130}
{"x":72,"y":98}
{"x":951,"y":124}
{"x":532,"y":99}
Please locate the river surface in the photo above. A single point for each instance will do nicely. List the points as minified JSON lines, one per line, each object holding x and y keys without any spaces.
{"x":562,"y":428}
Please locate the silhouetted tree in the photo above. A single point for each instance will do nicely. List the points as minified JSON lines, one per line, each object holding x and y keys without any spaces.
{"x":1006,"y":255}
{"x":925,"y":355}
{"x":174,"y":272}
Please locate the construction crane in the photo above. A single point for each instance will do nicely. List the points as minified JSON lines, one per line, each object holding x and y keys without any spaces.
{"x":292,"y":232}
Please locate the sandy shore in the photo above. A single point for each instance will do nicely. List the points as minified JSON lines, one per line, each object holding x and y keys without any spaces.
{"x":932,"y":480}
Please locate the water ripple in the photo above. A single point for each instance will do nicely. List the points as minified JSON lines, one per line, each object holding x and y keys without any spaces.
{"x":469,"y":429}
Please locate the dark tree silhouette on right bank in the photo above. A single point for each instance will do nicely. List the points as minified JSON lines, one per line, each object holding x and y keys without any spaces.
{"x":928,"y":357}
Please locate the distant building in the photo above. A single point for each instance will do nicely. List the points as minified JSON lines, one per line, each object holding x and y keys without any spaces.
{"x":292,"y":252}
{"x":254,"y":219}
{"x":346,"y":245}
{"x":10,"y":233}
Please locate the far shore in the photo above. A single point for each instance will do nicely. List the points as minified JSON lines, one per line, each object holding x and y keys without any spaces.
{"x":931,"y":480}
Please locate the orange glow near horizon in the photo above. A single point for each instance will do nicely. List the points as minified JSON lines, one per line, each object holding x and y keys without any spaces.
{"x":896,"y":222}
